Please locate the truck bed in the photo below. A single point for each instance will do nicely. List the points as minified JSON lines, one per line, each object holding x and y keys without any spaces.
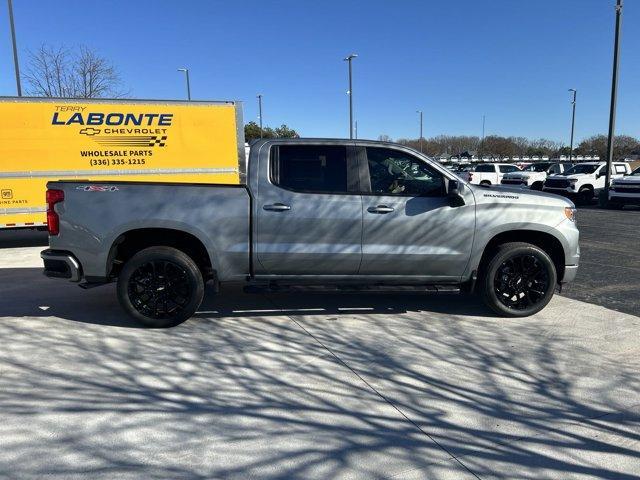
{"x":94,"y":215}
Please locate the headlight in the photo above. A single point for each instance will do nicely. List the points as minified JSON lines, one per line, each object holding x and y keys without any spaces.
{"x":573,"y":180}
{"x":570,"y":213}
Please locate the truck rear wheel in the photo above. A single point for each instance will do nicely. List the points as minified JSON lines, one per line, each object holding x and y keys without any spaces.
{"x":519,"y":280}
{"x":160,"y":287}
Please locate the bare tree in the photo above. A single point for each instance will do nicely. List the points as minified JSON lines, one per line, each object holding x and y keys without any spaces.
{"x":61,"y":72}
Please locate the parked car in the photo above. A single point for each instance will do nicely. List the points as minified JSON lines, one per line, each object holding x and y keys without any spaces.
{"x":313,"y":214}
{"x":534,"y":175}
{"x":625,"y":190}
{"x":585,"y":180}
{"x":489,"y":173}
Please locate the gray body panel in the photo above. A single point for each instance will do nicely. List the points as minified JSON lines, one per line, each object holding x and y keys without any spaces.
{"x":321,"y":237}
{"x":91,"y":221}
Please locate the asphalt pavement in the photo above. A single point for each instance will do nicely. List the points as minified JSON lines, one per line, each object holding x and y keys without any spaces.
{"x":609,"y":272}
{"x":311,"y":386}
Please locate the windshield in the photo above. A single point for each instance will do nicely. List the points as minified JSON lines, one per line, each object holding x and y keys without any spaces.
{"x":537,"y":167}
{"x":582,"y":169}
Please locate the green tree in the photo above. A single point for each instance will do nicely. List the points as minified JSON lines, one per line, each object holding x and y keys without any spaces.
{"x":252,"y":132}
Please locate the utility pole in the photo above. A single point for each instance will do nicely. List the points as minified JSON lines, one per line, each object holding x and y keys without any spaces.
{"x":259,"y":96}
{"x":614,"y":96}
{"x":356,"y":124}
{"x":350,"y":92}
{"x":186,"y":71}
{"x":573,"y":121}
{"x":420,"y":112}
{"x":15,"y":49}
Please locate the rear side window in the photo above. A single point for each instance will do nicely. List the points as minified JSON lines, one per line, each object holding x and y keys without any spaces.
{"x":310,"y":168}
{"x":508,"y":168}
{"x":486,"y":168}
{"x":621,"y":169}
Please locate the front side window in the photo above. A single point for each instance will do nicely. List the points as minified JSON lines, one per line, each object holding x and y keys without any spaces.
{"x":393,"y":172}
{"x":582,"y":168}
{"x":486,"y":168}
{"x":508,"y":168}
{"x":310,"y":168}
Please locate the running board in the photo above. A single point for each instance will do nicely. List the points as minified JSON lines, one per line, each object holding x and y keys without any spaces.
{"x":276,"y":288}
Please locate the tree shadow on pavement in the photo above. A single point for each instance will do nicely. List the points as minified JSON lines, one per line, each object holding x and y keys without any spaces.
{"x":320,"y":386}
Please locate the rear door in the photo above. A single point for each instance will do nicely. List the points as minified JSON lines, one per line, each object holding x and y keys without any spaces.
{"x":309,"y":212}
{"x":409,"y":228}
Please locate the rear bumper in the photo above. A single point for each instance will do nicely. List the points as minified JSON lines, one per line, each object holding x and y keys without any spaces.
{"x":61,"y":264}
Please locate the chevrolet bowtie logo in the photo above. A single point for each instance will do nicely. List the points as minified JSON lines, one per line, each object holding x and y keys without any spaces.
{"x":90,"y":131}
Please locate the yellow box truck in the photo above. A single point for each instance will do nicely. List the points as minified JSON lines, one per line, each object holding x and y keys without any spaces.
{"x":44,"y":139}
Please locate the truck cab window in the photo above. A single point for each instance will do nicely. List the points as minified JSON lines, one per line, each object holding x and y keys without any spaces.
{"x":393,"y":172}
{"x":310,"y":168}
{"x":486,"y":168}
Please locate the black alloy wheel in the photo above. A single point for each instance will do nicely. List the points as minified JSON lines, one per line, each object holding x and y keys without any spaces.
{"x":518,"y":280}
{"x":160,"y":287}
{"x":521,"y":281}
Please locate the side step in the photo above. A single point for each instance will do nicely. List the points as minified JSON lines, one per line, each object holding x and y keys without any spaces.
{"x":278,"y":288}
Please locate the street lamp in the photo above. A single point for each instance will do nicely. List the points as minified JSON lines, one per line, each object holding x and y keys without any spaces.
{"x":420,"y":112}
{"x":15,"y":49}
{"x":259,"y":97}
{"x":614,"y":97}
{"x":573,"y":121}
{"x":186,"y":71}
{"x":350,"y":93}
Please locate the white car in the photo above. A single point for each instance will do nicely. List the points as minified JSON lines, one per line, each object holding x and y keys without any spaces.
{"x":625,"y":191}
{"x":534,"y":175}
{"x":489,"y":173}
{"x":585,"y":180}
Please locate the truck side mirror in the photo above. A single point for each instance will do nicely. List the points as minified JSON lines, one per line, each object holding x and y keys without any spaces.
{"x":454,"y":193}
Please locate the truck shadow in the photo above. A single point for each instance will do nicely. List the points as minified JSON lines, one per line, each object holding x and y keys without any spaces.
{"x":30,"y":294}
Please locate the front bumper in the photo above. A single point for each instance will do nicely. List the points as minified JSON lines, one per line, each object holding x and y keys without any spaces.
{"x":61,"y":264}
{"x":570,"y":272}
{"x":567,"y":192}
{"x":624,"y":199}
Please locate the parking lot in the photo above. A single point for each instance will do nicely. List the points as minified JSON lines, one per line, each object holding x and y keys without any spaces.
{"x":325,"y":386}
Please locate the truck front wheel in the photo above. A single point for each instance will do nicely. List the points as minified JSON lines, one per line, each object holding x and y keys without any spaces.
{"x":519,"y":280}
{"x":160,"y":287}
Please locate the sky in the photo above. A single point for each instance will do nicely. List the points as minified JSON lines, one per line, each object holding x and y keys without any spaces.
{"x":456,"y":60}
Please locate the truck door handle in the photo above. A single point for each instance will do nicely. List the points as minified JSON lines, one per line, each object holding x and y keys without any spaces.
{"x":380,"y":209}
{"x":276,"y":207}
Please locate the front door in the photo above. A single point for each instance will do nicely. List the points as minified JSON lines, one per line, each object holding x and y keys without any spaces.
{"x":409,"y":228}
{"x":309,"y":212}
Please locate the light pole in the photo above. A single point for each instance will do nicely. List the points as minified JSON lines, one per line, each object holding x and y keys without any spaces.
{"x":573,"y":121}
{"x":186,"y":71}
{"x":614,"y":96}
{"x":356,"y":128}
{"x":482,"y":140}
{"x":420,"y":112}
{"x":350,"y":92}
{"x":259,"y":97}
{"x":15,"y":49}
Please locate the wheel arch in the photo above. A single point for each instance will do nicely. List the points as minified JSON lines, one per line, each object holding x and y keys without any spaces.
{"x":129,"y":242}
{"x":546,"y":241}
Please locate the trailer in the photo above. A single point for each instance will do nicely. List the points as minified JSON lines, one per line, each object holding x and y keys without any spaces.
{"x":46,"y":139}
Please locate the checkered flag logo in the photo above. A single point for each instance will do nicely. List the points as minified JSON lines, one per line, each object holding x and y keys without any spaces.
{"x":157,"y":141}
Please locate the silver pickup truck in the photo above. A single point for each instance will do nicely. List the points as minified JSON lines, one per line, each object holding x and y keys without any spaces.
{"x":317,"y":215}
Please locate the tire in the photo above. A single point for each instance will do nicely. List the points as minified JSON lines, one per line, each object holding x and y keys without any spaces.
{"x":485,"y":182}
{"x":519,"y":280}
{"x":160,"y":287}
{"x":585,"y":195}
{"x":537,"y":186}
